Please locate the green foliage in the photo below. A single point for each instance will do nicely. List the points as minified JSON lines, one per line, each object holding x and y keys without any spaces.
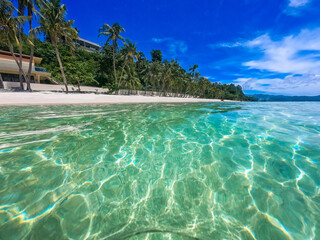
{"x":130,"y":78}
{"x":113,"y":33}
{"x":78,"y":72}
{"x":156,"y":55}
{"x":129,"y":52}
{"x":80,"y":63}
{"x":104,"y":61}
{"x":9,"y":23}
{"x":95,"y":69}
{"x":111,"y":67}
{"x":54,"y":25}
{"x":56,"y":28}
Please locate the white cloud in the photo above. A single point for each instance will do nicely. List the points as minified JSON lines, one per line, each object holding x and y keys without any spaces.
{"x":178,"y":46}
{"x":307,"y":85}
{"x":209,"y":77}
{"x":175,"y":47}
{"x":160,"y":40}
{"x":297,"y":3}
{"x":297,"y":56}
{"x":294,"y":54}
{"x":226,"y":45}
{"x":295,"y":7}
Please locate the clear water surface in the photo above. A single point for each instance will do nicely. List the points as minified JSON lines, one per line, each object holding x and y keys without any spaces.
{"x":160,"y":171}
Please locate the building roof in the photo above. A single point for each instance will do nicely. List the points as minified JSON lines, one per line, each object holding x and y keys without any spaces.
{"x":92,"y":43}
{"x":35,"y":59}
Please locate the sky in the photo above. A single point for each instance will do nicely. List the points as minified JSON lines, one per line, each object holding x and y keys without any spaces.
{"x":266,"y":46}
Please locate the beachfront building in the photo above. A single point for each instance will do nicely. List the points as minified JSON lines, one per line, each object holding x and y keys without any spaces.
{"x":40,"y":78}
{"x":87,"y":45}
{"x":10,"y":71}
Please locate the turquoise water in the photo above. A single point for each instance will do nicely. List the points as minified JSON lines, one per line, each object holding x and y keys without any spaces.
{"x":160,"y":171}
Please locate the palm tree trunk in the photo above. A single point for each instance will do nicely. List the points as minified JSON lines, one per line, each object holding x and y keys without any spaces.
{"x":1,"y":82}
{"x":114,"y":66}
{"x":122,"y":71}
{"x":31,"y":49}
{"x":153,"y":84}
{"x":78,"y":86}
{"x":30,"y":68}
{"x":15,"y":59}
{"x":163,"y":86}
{"x":21,"y":6}
{"x":20,"y":58}
{"x":61,"y":67}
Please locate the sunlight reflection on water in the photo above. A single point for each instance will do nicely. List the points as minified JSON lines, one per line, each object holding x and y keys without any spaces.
{"x":160,"y":171}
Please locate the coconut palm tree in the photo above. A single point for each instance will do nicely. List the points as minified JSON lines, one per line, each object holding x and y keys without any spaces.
{"x":2,"y":39}
{"x":131,"y":51}
{"x":177,"y":79}
{"x":21,"y":7}
{"x":130,"y":54}
{"x":152,"y":74}
{"x":166,"y":77}
{"x":194,"y":78}
{"x":31,"y":12}
{"x":29,"y":4}
{"x":193,"y":70}
{"x":9,"y":28}
{"x":113,"y":34}
{"x":1,"y":82}
{"x":57,"y":29}
{"x":131,"y":82}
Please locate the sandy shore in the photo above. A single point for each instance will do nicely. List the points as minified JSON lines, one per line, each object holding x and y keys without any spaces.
{"x":49,"y":98}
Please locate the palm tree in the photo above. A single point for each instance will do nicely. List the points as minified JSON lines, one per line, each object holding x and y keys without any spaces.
{"x":113,"y":34}
{"x":2,"y":39}
{"x":130,"y":54}
{"x":9,"y":28}
{"x":177,"y":77}
{"x":54,"y":25}
{"x":194,"y":78}
{"x":202,"y":86}
{"x":131,"y":51}
{"x":29,"y":4}
{"x":31,"y":12}
{"x":193,"y":70}
{"x":166,"y":77}
{"x":152,"y":74}
{"x":1,"y":82}
{"x":21,"y":7}
{"x":131,"y":82}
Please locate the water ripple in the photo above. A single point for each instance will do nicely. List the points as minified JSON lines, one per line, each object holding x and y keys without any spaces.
{"x":160,"y":171}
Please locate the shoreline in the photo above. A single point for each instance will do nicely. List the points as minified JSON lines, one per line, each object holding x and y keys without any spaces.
{"x":54,"y":98}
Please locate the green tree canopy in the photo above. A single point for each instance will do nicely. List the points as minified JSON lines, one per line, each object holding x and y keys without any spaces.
{"x":113,"y":34}
{"x":156,"y":55}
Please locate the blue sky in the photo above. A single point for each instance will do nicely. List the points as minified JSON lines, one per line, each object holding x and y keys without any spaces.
{"x":270,"y":46}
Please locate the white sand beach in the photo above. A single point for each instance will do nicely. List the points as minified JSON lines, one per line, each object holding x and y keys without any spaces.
{"x":51,"y":98}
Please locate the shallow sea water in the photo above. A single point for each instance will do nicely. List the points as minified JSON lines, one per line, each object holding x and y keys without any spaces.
{"x":160,"y":171}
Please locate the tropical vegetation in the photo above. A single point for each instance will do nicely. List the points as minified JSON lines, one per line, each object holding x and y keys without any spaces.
{"x":9,"y":28}
{"x":118,"y":65}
